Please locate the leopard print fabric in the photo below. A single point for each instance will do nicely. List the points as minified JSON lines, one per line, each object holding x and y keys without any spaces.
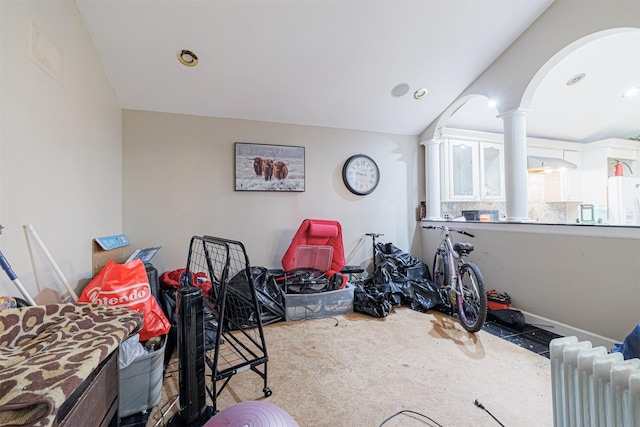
{"x":47,"y":351}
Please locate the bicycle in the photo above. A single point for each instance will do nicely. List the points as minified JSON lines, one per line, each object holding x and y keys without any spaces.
{"x":464,"y":290}
{"x":374,"y":236}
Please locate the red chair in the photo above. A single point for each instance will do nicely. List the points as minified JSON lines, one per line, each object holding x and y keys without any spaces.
{"x":316,"y":232}
{"x":318,"y":244}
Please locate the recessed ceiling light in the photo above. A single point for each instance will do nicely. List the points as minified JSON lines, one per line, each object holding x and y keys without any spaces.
{"x":576,"y":79}
{"x":400,"y":90}
{"x":631,"y":92}
{"x":420,"y":93}
{"x":187,"y":58}
{"x":492,"y":103}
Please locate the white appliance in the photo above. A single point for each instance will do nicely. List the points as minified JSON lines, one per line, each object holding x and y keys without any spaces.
{"x":591,"y":387}
{"x":624,"y":200}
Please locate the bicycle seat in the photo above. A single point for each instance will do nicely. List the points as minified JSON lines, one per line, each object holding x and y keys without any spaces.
{"x":463,"y":248}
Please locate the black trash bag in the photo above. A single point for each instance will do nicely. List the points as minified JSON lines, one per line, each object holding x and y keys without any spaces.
{"x":408,"y":279}
{"x":405,"y":265}
{"x":383,"y":283}
{"x":270,"y":295}
{"x":426,"y":295}
{"x":168,"y":305}
{"x":399,"y":279}
{"x":239,"y":307}
{"x":368,"y":299}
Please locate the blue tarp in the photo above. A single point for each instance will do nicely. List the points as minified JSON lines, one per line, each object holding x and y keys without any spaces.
{"x":630,"y":348}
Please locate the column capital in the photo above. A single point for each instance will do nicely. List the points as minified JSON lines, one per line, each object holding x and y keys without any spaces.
{"x":434,"y":141}
{"x":516,"y":112}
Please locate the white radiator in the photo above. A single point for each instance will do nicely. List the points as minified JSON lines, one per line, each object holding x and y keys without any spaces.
{"x":591,"y":388}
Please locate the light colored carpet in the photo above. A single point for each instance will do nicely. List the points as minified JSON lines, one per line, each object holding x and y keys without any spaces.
{"x":356,"y":370}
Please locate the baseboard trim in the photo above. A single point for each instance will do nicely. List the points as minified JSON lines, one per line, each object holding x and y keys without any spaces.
{"x":567,"y":330}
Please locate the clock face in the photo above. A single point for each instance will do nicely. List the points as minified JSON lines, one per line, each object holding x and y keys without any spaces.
{"x":360,"y":174}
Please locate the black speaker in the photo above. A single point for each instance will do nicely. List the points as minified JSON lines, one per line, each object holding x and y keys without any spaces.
{"x":190,"y":335}
{"x":154,"y":282}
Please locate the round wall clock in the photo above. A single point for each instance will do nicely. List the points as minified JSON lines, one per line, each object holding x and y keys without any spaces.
{"x":360,"y":174}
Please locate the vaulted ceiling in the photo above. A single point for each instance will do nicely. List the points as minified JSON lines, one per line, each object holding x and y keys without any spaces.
{"x":324,"y":63}
{"x":581,"y":99}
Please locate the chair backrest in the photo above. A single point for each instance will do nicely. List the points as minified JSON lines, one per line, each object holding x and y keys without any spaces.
{"x":316,"y":232}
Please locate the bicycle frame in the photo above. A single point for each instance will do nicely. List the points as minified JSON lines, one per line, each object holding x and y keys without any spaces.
{"x":373,"y":243}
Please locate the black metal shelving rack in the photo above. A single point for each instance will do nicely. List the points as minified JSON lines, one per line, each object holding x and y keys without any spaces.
{"x":231,"y":307}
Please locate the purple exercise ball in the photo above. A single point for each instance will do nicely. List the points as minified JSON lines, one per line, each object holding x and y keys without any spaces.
{"x":252,"y":413}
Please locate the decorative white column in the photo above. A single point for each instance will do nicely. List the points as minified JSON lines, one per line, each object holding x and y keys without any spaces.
{"x":515,"y":163}
{"x":432,"y":177}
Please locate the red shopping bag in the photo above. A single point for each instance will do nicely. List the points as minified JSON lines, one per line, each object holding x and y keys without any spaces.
{"x":127,"y":285}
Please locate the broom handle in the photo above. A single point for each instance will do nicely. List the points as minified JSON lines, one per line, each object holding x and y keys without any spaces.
{"x":12,"y":275}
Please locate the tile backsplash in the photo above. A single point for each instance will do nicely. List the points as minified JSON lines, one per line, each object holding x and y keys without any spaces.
{"x":548,"y":213}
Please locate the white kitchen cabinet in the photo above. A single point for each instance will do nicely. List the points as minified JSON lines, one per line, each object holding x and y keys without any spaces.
{"x":561,"y":186}
{"x":491,"y":171}
{"x":463,"y":170}
{"x":571,"y":185}
{"x":475,"y":171}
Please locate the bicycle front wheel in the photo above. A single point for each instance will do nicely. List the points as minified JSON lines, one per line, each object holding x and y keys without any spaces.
{"x":472,"y":303}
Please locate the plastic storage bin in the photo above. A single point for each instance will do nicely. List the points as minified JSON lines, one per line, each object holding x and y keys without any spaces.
{"x":315,"y":306}
{"x":141,"y":383}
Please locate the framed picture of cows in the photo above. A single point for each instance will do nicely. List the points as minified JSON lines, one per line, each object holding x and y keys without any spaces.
{"x":264,"y":167}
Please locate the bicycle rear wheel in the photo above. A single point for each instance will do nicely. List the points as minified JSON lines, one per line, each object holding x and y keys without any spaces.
{"x":472,"y":304}
{"x":442,"y":276}
{"x":441,"y":273}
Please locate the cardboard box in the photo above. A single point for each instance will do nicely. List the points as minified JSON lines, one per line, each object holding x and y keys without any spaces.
{"x":48,"y":296}
{"x":322,"y":304}
{"x":106,"y":248}
{"x":115,"y":247}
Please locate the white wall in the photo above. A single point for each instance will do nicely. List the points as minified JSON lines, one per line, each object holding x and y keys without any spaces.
{"x":60,"y":146}
{"x":574,"y":278}
{"x":179,"y":181}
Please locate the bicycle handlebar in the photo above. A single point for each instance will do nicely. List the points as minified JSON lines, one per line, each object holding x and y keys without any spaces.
{"x":442,"y":227}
